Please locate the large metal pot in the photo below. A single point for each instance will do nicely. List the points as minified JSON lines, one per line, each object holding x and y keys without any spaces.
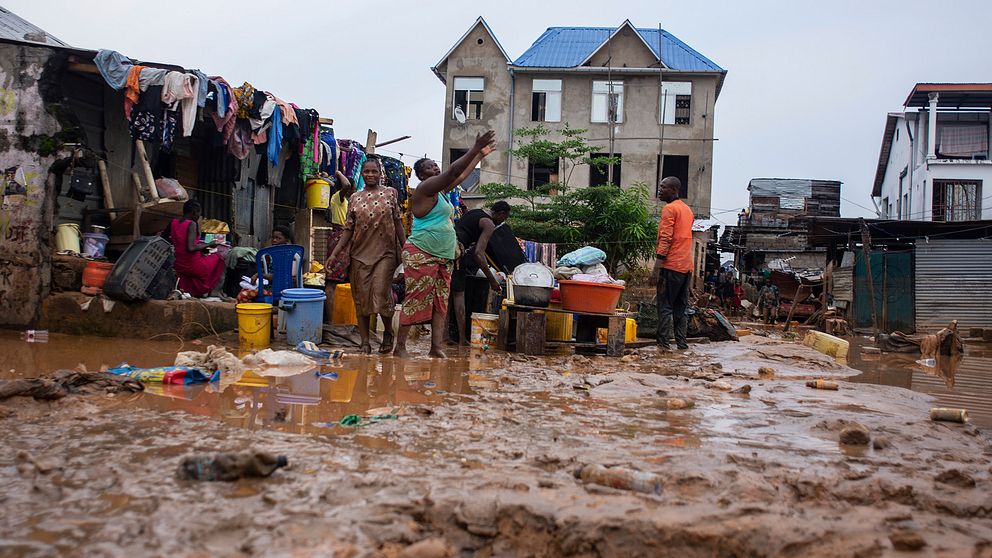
{"x":532,"y":296}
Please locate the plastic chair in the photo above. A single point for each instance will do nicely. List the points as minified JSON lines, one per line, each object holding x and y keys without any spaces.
{"x":281,"y":260}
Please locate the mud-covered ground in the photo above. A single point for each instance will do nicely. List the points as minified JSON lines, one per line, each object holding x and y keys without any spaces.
{"x":480,"y":462}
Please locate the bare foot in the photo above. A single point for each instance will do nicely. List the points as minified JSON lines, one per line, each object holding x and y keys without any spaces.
{"x":365,"y":349}
{"x":387,"y":343}
{"x":436,"y":352}
{"x":400,"y":352}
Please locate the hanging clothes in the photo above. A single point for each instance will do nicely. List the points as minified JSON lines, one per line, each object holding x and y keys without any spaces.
{"x":239,"y":143}
{"x":180,"y":91}
{"x":245,"y":96}
{"x":151,"y":76}
{"x":151,"y":121}
{"x":114,"y":67}
{"x":275,"y":136}
{"x":201,"y":93}
{"x":329,"y":165}
{"x":396,"y":174}
{"x":132,"y":90}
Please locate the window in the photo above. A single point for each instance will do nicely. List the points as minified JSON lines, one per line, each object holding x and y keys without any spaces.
{"x":963,"y":141}
{"x":468,"y":97}
{"x":677,"y":166}
{"x":546,"y":100}
{"x":905,"y":207}
{"x":886,"y":208}
{"x":607,"y":105}
{"x":676,"y":103}
{"x":957,"y":200}
{"x":472,"y":179}
{"x":540,"y":174}
{"x":601,"y":175}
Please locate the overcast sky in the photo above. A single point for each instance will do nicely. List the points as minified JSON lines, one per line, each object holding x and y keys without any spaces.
{"x":805,"y":97}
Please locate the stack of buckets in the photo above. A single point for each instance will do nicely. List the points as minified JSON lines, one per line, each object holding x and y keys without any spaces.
{"x":304,"y":311}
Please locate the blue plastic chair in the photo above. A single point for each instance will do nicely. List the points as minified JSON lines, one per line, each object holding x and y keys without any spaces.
{"x":280,"y":269}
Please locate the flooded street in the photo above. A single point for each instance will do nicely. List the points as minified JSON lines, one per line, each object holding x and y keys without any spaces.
{"x":476,"y":456}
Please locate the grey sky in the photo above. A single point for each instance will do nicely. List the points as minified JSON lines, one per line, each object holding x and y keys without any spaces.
{"x":806,"y":95}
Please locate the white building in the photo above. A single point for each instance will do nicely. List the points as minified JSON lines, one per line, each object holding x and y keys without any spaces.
{"x":934,"y":163}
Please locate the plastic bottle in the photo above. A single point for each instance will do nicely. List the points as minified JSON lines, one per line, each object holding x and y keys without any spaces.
{"x":230,"y":466}
{"x":618,"y":477}
{"x":35,"y":335}
{"x":822,"y":384}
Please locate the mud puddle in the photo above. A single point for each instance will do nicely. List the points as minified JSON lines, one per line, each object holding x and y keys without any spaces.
{"x":963,"y":382}
{"x":313,"y":402}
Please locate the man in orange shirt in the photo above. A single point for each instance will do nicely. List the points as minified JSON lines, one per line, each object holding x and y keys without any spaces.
{"x":673,"y":265}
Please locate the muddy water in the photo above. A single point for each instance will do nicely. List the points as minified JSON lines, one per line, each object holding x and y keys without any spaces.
{"x":307,"y":403}
{"x":963,"y":382}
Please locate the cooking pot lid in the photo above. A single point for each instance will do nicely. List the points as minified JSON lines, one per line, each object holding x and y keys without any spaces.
{"x":533,"y":275}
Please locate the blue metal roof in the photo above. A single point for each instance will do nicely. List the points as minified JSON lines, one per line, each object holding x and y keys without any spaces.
{"x":567,"y":47}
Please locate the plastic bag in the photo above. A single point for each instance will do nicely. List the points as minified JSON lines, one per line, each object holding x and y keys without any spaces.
{"x":171,"y":189}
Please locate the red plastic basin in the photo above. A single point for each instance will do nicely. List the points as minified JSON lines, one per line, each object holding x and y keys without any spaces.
{"x":580,"y":296}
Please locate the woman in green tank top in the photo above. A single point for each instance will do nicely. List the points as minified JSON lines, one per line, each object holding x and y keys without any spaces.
{"x":429,"y":253}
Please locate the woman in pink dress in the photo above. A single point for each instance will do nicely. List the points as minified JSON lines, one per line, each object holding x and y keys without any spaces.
{"x":199,"y":272}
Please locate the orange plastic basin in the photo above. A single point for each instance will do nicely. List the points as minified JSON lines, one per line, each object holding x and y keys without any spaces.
{"x":580,"y":296}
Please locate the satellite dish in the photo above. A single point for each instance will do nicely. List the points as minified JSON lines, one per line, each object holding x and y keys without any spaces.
{"x":459,"y":114}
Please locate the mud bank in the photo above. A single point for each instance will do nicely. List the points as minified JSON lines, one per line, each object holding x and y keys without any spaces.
{"x":488,"y":470}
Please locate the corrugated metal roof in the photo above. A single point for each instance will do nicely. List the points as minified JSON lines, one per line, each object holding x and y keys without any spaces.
{"x":567,"y":47}
{"x":15,"y":28}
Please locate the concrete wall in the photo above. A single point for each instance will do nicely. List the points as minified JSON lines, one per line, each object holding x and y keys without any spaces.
{"x":28,"y":144}
{"x":899,"y":159}
{"x":485,"y":60}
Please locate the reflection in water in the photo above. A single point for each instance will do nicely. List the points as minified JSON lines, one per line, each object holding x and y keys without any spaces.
{"x":958,"y":381}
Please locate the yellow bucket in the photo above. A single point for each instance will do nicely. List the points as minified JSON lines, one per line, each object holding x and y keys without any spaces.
{"x":318,"y":193}
{"x":343,"y":389}
{"x":630,"y":333}
{"x":344,"y":306}
{"x":483,"y":329}
{"x":558,"y":326}
{"x":254,"y":325}
{"x":67,"y":238}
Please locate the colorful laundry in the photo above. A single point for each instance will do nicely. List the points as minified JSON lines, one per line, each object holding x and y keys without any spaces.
{"x":166,"y":375}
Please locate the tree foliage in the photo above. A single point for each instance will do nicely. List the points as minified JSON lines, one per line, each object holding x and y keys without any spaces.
{"x":616,"y":220}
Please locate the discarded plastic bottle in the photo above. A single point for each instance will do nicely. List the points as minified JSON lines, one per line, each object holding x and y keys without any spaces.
{"x":230,"y":466}
{"x":948,"y":415}
{"x":822,"y":384}
{"x":35,"y":335}
{"x":620,"y":478}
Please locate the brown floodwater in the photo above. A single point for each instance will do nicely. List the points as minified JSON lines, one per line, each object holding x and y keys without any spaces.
{"x":312,"y":402}
{"x":961,"y":382}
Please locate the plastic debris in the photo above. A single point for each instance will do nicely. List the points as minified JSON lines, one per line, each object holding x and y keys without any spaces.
{"x":948,"y":415}
{"x":230,"y":466}
{"x":620,"y":478}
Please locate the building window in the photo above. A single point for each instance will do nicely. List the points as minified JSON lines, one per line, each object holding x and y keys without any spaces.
{"x":675,"y":105}
{"x":607,"y":101}
{"x":539,"y":174}
{"x":468,"y":97}
{"x":472,"y":179}
{"x":546,"y":100}
{"x":963,"y":141}
{"x":677,"y":166}
{"x":600,"y":175}
{"x":886,"y":208}
{"x":957,"y":200}
{"x":906,"y":213}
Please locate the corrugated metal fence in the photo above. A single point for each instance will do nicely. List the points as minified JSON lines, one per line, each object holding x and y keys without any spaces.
{"x":953,"y":282}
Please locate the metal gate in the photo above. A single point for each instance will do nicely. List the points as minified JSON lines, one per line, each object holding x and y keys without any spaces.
{"x":892,"y":277}
{"x":953,"y":282}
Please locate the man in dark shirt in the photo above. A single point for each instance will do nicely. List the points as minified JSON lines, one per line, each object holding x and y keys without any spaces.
{"x":473,"y":231}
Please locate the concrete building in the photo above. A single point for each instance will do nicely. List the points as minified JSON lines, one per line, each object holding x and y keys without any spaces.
{"x":934,"y":162}
{"x":652,"y":91}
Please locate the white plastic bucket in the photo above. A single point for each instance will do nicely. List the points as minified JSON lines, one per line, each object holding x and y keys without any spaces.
{"x":484,"y":327}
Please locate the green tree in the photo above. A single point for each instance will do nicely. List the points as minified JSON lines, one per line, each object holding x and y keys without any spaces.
{"x":616,"y":220}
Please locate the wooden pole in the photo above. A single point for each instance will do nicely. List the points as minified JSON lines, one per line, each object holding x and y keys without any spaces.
{"x":792,"y":310}
{"x":370,"y":143}
{"x":146,"y":169}
{"x":108,"y":197}
{"x":866,"y":251}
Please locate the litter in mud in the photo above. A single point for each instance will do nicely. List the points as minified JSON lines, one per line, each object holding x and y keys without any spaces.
{"x":230,"y":466}
{"x":948,"y":415}
{"x":66,"y":382}
{"x":823,"y":384}
{"x":620,"y":478}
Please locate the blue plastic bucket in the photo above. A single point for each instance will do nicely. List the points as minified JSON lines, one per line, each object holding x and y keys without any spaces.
{"x":304,"y":311}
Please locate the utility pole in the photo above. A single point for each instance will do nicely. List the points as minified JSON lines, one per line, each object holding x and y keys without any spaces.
{"x":611,"y":109}
{"x":663,"y":96}
{"x":866,"y":252}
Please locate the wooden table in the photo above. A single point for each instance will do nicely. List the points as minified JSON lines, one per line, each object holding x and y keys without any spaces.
{"x":522,"y":329}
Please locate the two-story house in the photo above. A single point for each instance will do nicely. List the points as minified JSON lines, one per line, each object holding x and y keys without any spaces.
{"x":643,"y":95}
{"x":934,"y":162}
